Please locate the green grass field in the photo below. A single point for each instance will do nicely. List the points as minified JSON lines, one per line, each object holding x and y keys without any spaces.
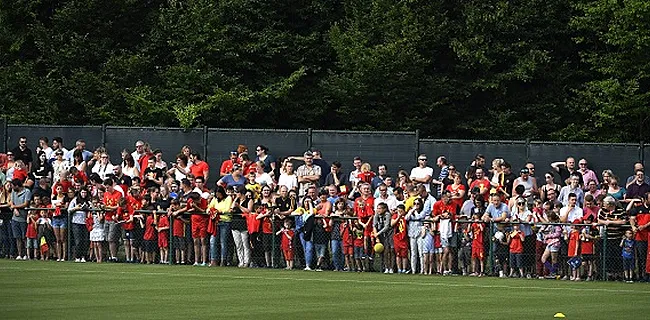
{"x":54,"y":290}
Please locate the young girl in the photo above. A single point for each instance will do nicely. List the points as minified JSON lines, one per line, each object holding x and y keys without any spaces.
{"x":427,"y":235}
{"x":478,"y":255}
{"x":286,"y":243}
{"x":346,"y":226}
{"x":400,"y":238}
{"x":516,"y":244}
{"x":359,"y":257}
{"x":97,"y":235}
{"x":552,"y":240}
{"x":573,"y":252}
{"x":32,"y":229}
{"x":163,"y":237}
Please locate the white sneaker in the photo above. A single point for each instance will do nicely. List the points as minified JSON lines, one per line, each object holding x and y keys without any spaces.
{"x":196,"y":264}
{"x":77,"y":260}
{"x":25,"y":258}
{"x":19,"y":258}
{"x":83,"y":260}
{"x":308,"y":269}
{"x":391,"y":271}
{"x":386,"y":271}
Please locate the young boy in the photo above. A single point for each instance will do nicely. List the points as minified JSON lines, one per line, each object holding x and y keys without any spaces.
{"x":163,"y":237}
{"x":400,"y":238}
{"x":588,"y":236}
{"x":150,"y":234}
{"x":465,"y":251}
{"x":478,"y":255}
{"x":32,"y":229}
{"x":286,"y":243}
{"x":359,"y":256}
{"x":628,"y":244}
{"x":573,"y":252}
{"x":348,"y":246}
{"x":516,"y":243}
{"x":178,"y":232}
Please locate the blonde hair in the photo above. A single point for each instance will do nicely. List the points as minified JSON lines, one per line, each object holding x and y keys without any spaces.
{"x":365,"y":167}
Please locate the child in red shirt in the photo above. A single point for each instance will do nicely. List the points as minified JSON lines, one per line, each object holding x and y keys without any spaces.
{"x":400,"y":239}
{"x":150,"y":238}
{"x":286,"y":243}
{"x":32,"y":232}
{"x":574,"y":251}
{"x":163,"y":237}
{"x":348,"y":246}
{"x":124,"y":217}
{"x":178,"y":231}
{"x":516,"y":243}
{"x":588,"y":236}
{"x":478,"y":256}
{"x":265,"y":216}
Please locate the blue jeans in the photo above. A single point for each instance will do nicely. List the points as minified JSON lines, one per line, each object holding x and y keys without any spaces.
{"x":224,"y":232}
{"x":213,"y":247}
{"x":7,"y":242}
{"x":309,"y":249}
{"x":337,"y":254}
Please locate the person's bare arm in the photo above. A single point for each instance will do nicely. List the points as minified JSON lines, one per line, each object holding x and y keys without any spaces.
{"x":557,"y":165}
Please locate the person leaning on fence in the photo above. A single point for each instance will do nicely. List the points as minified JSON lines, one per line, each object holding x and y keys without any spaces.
{"x":613,"y":218}
{"x":383,"y":233}
{"x":304,"y":216}
{"x":639,"y":211}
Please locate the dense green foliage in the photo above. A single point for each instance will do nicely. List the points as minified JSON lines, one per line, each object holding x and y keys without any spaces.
{"x":539,"y":69}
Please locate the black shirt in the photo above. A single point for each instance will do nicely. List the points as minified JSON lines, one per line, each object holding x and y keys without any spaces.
{"x":24,"y":155}
{"x":565,"y":174}
{"x":155,"y":173}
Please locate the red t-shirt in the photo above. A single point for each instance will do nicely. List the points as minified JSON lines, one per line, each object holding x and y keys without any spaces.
{"x":400,"y":232}
{"x":163,"y":222}
{"x":226,"y":167}
{"x":477,"y":235}
{"x":198,"y":168}
{"x":457,"y":202}
{"x":440,"y":206}
{"x":516,"y":245}
{"x":267,"y":225}
{"x":482,"y":184}
{"x":252,"y":167}
{"x":125,"y":215}
{"x":179,"y":228}
{"x":150,"y":229}
{"x":252,"y":224}
{"x":366,"y":176}
{"x":286,"y":242}
{"x":346,"y":229}
{"x":20,"y":174}
{"x":358,"y":238}
{"x":366,"y":213}
{"x":642,"y":214}
{"x":110,"y":200}
{"x":65,"y":185}
{"x":574,"y":243}
{"x":31,"y":229}
{"x":143,"y":163}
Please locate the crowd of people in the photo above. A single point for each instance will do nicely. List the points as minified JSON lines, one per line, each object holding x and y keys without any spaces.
{"x":301,"y":212}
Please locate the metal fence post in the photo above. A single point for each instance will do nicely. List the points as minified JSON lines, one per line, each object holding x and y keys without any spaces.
{"x":68,"y":236}
{"x":417,"y":143}
{"x":104,"y":135}
{"x":642,"y":152}
{"x":527,"y":146}
{"x":170,"y":252}
{"x":205,"y":144}
{"x":603,"y":255}
{"x":309,"y":138}
{"x":5,"y":132}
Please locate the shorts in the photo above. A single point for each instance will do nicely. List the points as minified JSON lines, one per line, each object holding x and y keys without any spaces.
{"x":427,"y":245}
{"x":267,"y":241}
{"x":112,"y":231}
{"x":444,"y":242}
{"x":454,"y":240}
{"x":32,"y":243}
{"x":477,"y":252}
{"x":588,"y":257}
{"x":199,"y":227}
{"x":163,"y":241}
{"x":59,"y":222}
{"x":358,"y":253}
{"x":179,"y":242}
{"x":348,"y":250}
{"x":127,"y":234}
{"x":320,"y":250}
{"x":553,"y":247}
{"x":150,"y":246}
{"x":18,"y":229}
{"x":515,"y":260}
{"x":402,"y":252}
{"x":288,"y":254}
{"x":628,"y":264}
{"x":137,"y":235}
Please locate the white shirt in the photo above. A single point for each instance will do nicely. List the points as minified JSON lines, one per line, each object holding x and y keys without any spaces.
{"x":572,"y":215}
{"x":391,"y":202}
{"x":48,"y":153}
{"x":136,"y":156}
{"x":290,"y":181}
{"x":264,"y":179}
{"x":421,"y":173}
{"x":102,"y":170}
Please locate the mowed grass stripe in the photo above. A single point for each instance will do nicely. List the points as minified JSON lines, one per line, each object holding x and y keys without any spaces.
{"x":80,"y":291}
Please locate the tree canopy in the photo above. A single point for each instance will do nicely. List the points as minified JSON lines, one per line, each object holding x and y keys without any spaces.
{"x":545,"y":70}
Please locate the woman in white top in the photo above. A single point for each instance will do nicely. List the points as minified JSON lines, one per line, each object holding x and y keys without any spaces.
{"x":129,"y":166}
{"x":160,"y":163}
{"x":103,"y":167}
{"x":288,"y":178}
{"x":180,"y":169}
{"x":59,"y":165}
{"x":262,"y":177}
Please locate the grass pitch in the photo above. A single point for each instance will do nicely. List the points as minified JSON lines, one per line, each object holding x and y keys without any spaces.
{"x":64,"y":290}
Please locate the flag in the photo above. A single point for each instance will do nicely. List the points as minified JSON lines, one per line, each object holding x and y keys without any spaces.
{"x":44,"y":247}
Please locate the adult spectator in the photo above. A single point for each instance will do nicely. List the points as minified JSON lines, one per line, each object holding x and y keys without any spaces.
{"x":496,"y":211}
{"x":287,"y":176}
{"x":122,"y":179}
{"x":549,"y":185}
{"x":130,"y":167}
{"x":42,"y":189}
{"x":57,"y":144}
{"x":308,"y":174}
{"x":246,"y":163}
{"x":43,"y":142}
{"x":457,"y":190}
{"x":571,"y":212}
{"x":637,"y":166}
{"x":139,"y":151}
{"x":439,"y":183}
{"x":152,"y":176}
{"x":180,"y":169}
{"x":638,"y":188}
{"x":221,"y":206}
{"x":23,"y":153}
{"x":531,"y":169}
{"x":444,"y":213}
{"x":79,"y":209}
{"x":7,"y":242}
{"x":587,"y":174}
{"x":415,"y":219}
{"x":354,"y":180}
{"x":234,"y":179}
{"x":530,"y":187}
{"x":422,"y":174}
{"x":160,"y":163}
{"x":336,"y":176}
{"x":42,"y":168}
{"x":470,"y":172}
{"x":226,"y":165}
{"x":112,"y":229}
{"x":103,"y":167}
{"x":262,"y":154}
{"x":81,"y":146}
{"x":593,"y":189}
{"x":614,"y":219}
{"x":497,"y":174}
{"x":403,"y":179}
{"x":241,"y":206}
{"x":320,"y":162}
{"x":20,"y":197}
{"x":639,"y":211}
{"x":199,"y":167}
{"x":614,"y":189}
{"x":386,"y":197}
{"x":382,"y":174}
{"x":262,"y":177}
{"x":59,"y":166}
{"x":566,"y":169}
{"x":482,"y":183}
{"x":509,"y":177}
{"x":572,"y":187}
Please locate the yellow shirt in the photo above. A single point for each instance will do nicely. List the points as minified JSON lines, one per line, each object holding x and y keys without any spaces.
{"x":408,"y":203}
{"x":222,"y":206}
